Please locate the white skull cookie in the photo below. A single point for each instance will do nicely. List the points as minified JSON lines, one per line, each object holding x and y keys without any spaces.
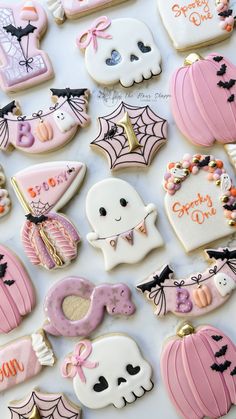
{"x":124,"y":228}
{"x":120,"y":50}
{"x":108,"y":371}
{"x":5,"y":202}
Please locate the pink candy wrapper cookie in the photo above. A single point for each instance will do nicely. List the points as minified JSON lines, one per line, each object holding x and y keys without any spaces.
{"x":22,"y":25}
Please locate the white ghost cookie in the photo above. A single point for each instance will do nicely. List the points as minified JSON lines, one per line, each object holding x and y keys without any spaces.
{"x":120,"y":50}
{"x":124,"y":228}
{"x":64,"y":120}
{"x":224,"y":284}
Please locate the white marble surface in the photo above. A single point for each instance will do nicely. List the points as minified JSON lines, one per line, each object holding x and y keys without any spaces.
{"x":148,"y":331}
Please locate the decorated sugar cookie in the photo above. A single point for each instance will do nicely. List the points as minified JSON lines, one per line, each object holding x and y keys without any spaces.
{"x":130,"y":136}
{"x":22,"y":25}
{"x":200,"y":200}
{"x":24,"y":358}
{"x":109,"y":370}
{"x":5,"y":202}
{"x":17,"y":295}
{"x":196,"y":295}
{"x":44,"y":406}
{"x":49,"y":239}
{"x":62,"y":9}
{"x":196,"y":23}
{"x":124,"y":228}
{"x":231,"y":151}
{"x":76,"y":307}
{"x":120,"y":50}
{"x":44,"y":130}
{"x":199,"y":372}
{"x":203,"y":99}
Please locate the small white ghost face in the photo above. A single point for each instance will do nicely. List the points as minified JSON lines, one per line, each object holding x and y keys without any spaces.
{"x":122,"y":375}
{"x":113,"y":206}
{"x":224,"y":284}
{"x":129,"y":57}
{"x":64,"y":120}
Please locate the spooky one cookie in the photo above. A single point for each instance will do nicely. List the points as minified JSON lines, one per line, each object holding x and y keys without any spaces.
{"x":203,"y":99}
{"x":62,"y":9}
{"x":196,"y":23}
{"x":22,"y":25}
{"x":24,"y":358}
{"x":200,"y":200}
{"x":124,"y":228}
{"x":196,"y":295}
{"x":120,"y":50}
{"x":49,"y":239}
{"x":130,"y":136}
{"x":38,"y":405}
{"x":99,"y":381}
{"x":199,"y":372}
{"x":17,"y":296}
{"x":44,"y":130}
{"x":5,"y":202}
{"x":76,"y":307}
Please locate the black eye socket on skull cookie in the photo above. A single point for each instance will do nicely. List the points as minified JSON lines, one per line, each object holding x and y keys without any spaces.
{"x":115,"y":58}
{"x":131,"y":370}
{"x":102,"y":212}
{"x":123,"y":202}
{"x":101,"y":385}
{"x":144,"y":48}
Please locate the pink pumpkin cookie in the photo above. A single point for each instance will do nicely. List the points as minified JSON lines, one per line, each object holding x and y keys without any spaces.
{"x":199,"y":371}
{"x":200,"y":200}
{"x":17,"y":296}
{"x":5,"y":202}
{"x":196,"y":295}
{"x":203,"y":99}
{"x":130,"y":136}
{"x":22,"y":25}
{"x":44,"y":130}
{"x":49,"y":239}
{"x":85,"y":306}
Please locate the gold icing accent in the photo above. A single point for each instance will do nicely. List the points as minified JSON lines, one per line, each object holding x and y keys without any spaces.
{"x":125,"y":123}
{"x":185,"y":330}
{"x":51,"y":249}
{"x":35,"y":414}
{"x":192,"y":58}
{"x":20,"y":196}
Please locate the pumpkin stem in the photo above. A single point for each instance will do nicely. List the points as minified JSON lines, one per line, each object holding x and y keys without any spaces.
{"x":192,"y":58}
{"x":185,"y":330}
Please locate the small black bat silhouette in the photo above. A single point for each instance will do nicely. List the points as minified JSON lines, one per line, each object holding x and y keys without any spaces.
{"x":226,"y":13}
{"x":218,"y":58}
{"x":231,"y":98}
{"x":19,"y":32}
{"x":222,"y":351}
{"x":224,"y":254}
{"x":222,"y":70}
{"x":157,"y":280}
{"x":226,"y":84}
{"x":3,"y":268}
{"x":217,"y":337}
{"x":7,"y":109}
{"x":230,"y":207}
{"x":233,"y":372}
{"x":221,"y":367}
{"x":36,"y":220}
{"x":204,"y":162}
{"x":9,"y":282}
{"x":68,"y":93}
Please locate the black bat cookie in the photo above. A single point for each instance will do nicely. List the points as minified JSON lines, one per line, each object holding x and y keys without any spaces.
{"x":19,"y":32}
{"x":224,"y":254}
{"x":68,"y":93}
{"x":157,"y":280}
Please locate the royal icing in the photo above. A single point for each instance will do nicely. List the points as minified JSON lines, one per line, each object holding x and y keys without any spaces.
{"x":17,"y":295}
{"x":44,"y":406}
{"x":108,"y":371}
{"x":196,"y":295}
{"x":21,"y":27}
{"x":89,"y":308}
{"x":44,"y":130}
{"x":22,"y":359}
{"x":231,"y":150}
{"x":130,"y":136}
{"x":203,"y":94}
{"x":49,"y":239}
{"x":192,"y":23}
{"x":200,"y":200}
{"x":5,"y":202}
{"x":199,"y":372}
{"x":120,"y":50}
{"x":124,"y":228}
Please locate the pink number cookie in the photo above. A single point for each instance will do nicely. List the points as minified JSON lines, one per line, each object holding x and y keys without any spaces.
{"x":130,"y":136}
{"x":5,"y":202}
{"x":49,"y":239}
{"x":17,"y":296}
{"x":87,"y":310}
{"x":24,"y":358}
{"x":199,"y":371}
{"x":44,"y":406}
{"x":44,"y":130}
{"x":64,"y":9}
{"x":203,"y":95}
{"x":198,"y":294}
{"x":21,"y":27}
{"x":200,"y":200}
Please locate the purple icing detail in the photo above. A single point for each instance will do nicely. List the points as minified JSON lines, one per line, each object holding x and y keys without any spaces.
{"x":24,"y":136}
{"x":115,"y":298}
{"x":66,"y":224}
{"x":183,"y":302}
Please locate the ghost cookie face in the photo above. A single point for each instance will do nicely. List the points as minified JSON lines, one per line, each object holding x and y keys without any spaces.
{"x":124,"y":228}
{"x":120,"y":50}
{"x":110,"y":371}
{"x":196,"y":23}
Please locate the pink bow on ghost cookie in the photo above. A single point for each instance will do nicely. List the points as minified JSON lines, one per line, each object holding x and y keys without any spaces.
{"x":96,"y":31}
{"x":74,"y":364}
